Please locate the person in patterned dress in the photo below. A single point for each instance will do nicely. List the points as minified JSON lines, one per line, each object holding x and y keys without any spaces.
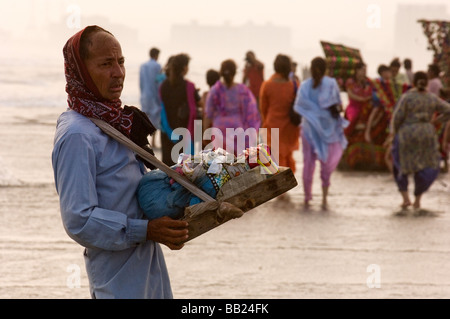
{"x":387,"y":94}
{"x":360,"y":154}
{"x":415,"y":146}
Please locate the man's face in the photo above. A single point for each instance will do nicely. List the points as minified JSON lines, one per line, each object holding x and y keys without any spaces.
{"x":106,"y":65}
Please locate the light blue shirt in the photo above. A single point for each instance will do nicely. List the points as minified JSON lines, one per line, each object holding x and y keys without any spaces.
{"x":149,"y":85}
{"x":318,"y":126}
{"x":96,"y":178}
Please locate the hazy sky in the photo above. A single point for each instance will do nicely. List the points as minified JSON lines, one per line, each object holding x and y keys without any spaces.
{"x":368,"y":24}
{"x":309,"y":20}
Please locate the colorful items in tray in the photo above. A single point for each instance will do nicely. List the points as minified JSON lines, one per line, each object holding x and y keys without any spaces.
{"x":158,"y":195}
{"x":261,"y":156}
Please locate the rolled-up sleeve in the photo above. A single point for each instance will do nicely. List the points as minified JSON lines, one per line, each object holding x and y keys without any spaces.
{"x":75,"y":169}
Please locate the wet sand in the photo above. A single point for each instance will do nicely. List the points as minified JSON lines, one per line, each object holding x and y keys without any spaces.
{"x":278,"y":250}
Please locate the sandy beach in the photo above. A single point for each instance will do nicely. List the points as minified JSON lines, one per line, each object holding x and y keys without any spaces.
{"x":359,"y":248}
{"x":362,"y":247}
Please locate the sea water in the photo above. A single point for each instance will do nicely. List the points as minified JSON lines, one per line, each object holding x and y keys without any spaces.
{"x":361,"y":247}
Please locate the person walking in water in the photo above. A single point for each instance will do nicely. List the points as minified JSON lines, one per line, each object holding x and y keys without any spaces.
{"x":319,"y":103}
{"x":415,"y":146}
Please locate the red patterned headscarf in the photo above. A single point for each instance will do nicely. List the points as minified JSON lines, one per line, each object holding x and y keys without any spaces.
{"x":83,"y":95}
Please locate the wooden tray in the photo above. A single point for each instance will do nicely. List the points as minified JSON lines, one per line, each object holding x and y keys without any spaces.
{"x":246,"y":192}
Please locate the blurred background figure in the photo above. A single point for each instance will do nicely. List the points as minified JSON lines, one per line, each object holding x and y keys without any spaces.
{"x":148,"y":83}
{"x":434,"y":82}
{"x":212,"y":76}
{"x":359,"y":153}
{"x":407,"y":64}
{"x":276,"y":97}
{"x":180,"y":102}
{"x":293,"y":74}
{"x":253,"y":74}
{"x":232,"y":105}
{"x":318,"y":102}
{"x":415,"y":148}
{"x":387,"y":92}
{"x":398,"y":78}
{"x":360,"y":95}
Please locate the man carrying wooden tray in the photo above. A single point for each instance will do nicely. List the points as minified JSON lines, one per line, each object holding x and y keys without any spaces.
{"x":96,"y":177}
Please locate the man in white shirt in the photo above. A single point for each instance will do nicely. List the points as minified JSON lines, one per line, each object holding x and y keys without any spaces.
{"x":148,"y":83}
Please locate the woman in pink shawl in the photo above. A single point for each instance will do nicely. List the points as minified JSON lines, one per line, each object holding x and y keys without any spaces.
{"x":232,"y":106}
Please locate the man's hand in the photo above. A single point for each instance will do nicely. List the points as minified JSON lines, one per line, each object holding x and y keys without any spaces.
{"x":167,"y":231}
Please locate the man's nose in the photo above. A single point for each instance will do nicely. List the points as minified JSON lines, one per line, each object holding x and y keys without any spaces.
{"x":118,"y":70}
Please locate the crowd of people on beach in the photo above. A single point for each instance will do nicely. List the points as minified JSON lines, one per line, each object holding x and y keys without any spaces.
{"x":362,"y":135}
{"x":97,"y":177}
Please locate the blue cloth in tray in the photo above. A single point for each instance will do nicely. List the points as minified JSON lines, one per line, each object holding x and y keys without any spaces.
{"x":158,"y":197}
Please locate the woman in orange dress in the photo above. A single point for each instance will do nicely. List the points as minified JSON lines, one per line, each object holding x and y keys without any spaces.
{"x":276,"y":97}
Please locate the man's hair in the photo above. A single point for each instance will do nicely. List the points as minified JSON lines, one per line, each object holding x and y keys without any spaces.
{"x":86,"y":39}
{"x":407,"y":63}
{"x":395,"y":63}
{"x":382,"y":68}
{"x":154,"y":53}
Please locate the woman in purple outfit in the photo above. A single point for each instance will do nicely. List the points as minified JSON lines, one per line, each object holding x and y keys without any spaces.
{"x":232,"y":106}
